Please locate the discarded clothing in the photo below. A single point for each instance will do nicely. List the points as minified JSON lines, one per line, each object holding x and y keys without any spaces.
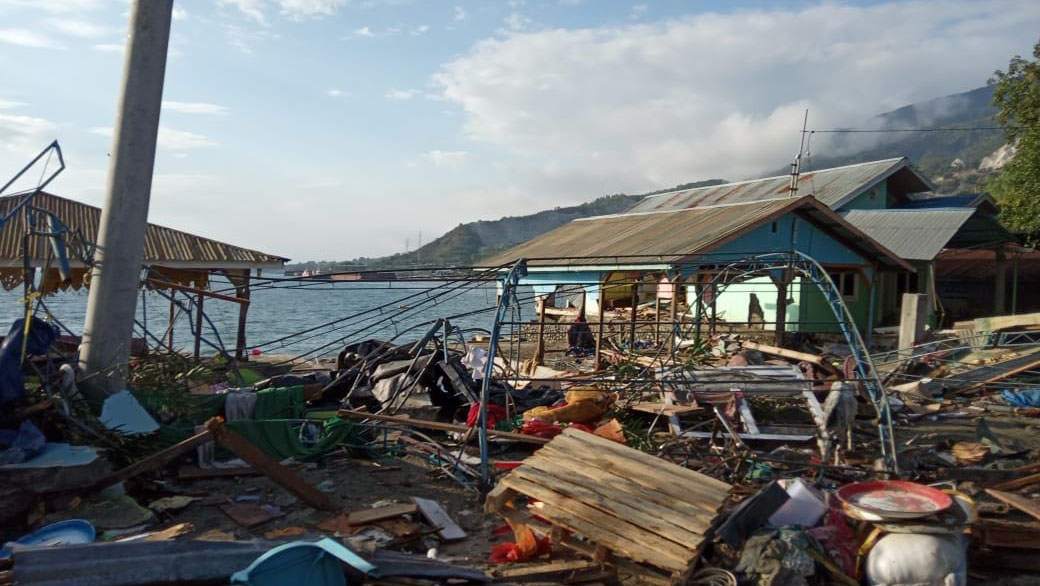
{"x":24,"y":444}
{"x":1030,"y":398}
{"x":777,"y":558}
{"x":583,"y":406}
{"x":240,"y":404}
{"x":280,"y":438}
{"x":495,"y":414}
{"x":41,"y":336}
{"x":280,"y":403}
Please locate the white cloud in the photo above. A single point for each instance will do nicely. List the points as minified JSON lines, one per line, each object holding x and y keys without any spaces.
{"x":23,"y":134}
{"x":364,"y":32}
{"x":80,"y":28}
{"x":334,"y":93}
{"x":27,"y":38}
{"x":169,"y":138}
{"x":638,"y":11}
{"x":460,"y":14}
{"x":194,"y":108}
{"x":108,"y":47}
{"x":517,"y":22}
{"x":294,"y":9}
{"x":714,"y":95}
{"x":446,"y":158}
{"x":402,"y":94}
{"x":420,"y":30}
{"x":179,"y":13}
{"x":55,"y":6}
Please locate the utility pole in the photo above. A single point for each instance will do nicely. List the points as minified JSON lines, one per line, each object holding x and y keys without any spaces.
{"x":116,"y":276}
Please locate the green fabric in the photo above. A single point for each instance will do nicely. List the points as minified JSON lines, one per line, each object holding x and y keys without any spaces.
{"x":281,"y":403}
{"x":280,"y":438}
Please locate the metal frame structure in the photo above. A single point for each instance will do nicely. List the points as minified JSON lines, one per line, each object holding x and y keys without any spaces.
{"x":669,"y":371}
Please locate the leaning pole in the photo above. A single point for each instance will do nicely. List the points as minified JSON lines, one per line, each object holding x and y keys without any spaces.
{"x":116,"y":275}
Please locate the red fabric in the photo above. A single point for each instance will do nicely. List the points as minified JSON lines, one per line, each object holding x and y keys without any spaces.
{"x":495,"y":413}
{"x":540,"y":428}
{"x":838,"y":539}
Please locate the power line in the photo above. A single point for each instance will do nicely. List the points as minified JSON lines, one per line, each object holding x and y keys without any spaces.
{"x":949,"y":129}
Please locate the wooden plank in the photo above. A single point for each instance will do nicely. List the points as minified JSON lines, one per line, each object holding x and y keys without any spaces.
{"x":196,"y":473}
{"x":664,"y":408}
{"x":1018,"y":482}
{"x":654,"y":464}
{"x":1004,"y":370}
{"x":551,"y":572}
{"x":435,"y":514}
{"x":792,"y":354}
{"x":704,"y":498}
{"x":580,"y":470}
{"x":606,"y":523}
{"x":604,"y":534}
{"x":380,"y":513}
{"x":156,"y":460}
{"x":608,"y":485}
{"x":256,"y":457}
{"x":498,"y":497}
{"x":424,"y":424}
{"x":765,"y":437}
{"x":647,"y":515}
{"x":1000,"y":322}
{"x":1028,"y":506}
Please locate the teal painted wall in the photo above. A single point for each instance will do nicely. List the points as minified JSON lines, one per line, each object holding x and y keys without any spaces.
{"x":875,"y":198}
{"x":818,"y":315}
{"x":807,"y":239}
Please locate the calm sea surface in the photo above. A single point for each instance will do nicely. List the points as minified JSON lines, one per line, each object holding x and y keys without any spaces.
{"x":361,"y":310}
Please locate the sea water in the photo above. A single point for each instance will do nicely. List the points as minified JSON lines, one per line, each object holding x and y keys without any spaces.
{"x":284,"y":309}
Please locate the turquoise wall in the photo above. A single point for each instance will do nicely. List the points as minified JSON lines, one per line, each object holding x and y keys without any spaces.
{"x":875,"y":198}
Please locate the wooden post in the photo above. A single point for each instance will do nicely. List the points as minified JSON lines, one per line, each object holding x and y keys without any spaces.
{"x":781,"y":309}
{"x":1000,"y":286}
{"x":599,"y":323}
{"x":198,"y":325}
{"x":539,"y":348}
{"x":256,"y":457}
{"x":173,"y":319}
{"x":912,"y":316}
{"x":674,"y":313}
{"x":657,"y":316}
{"x":242,"y":291}
{"x":632,"y":325}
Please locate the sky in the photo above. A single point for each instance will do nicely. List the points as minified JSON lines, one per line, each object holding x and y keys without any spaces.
{"x":332,"y":129}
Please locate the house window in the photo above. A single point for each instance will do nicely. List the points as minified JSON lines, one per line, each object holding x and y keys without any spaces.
{"x":845,"y":281}
{"x":774,"y":227}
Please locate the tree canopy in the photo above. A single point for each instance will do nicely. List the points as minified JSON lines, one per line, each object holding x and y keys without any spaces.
{"x":1017,"y":187}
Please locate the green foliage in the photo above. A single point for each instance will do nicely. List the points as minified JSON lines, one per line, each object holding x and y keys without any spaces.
{"x":1016,"y":95}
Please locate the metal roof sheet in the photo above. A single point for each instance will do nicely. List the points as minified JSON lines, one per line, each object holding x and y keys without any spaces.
{"x":675,"y":235}
{"x":834,"y":187}
{"x":913,"y":234}
{"x":162,"y":246}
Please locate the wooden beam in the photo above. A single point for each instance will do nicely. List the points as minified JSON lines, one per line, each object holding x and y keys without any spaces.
{"x":197,"y":291}
{"x":539,"y":348}
{"x":381,"y":513}
{"x":256,"y":457}
{"x":435,"y":515}
{"x":156,"y":460}
{"x":599,"y":324}
{"x":1028,"y":506}
{"x":198,"y":325}
{"x":793,"y":355}
{"x":424,"y":424}
{"x":240,"y":340}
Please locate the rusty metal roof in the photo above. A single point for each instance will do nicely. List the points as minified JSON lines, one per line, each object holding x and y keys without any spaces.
{"x":675,"y":235}
{"x":163,"y":246}
{"x":921,"y":234}
{"x":834,"y":187}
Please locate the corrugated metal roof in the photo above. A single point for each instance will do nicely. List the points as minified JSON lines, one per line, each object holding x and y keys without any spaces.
{"x":162,"y":246}
{"x":834,"y":187}
{"x":673,"y":235}
{"x":912,"y":234}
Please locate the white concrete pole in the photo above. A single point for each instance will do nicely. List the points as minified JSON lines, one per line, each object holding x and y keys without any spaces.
{"x":114,"y":281}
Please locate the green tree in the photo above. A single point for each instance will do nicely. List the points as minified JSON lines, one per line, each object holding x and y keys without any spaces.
{"x":1017,"y":187}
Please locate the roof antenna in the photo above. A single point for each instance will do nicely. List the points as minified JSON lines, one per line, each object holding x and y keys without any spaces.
{"x":796,"y":166}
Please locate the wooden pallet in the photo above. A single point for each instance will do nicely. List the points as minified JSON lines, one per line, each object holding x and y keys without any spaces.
{"x":625,"y":503}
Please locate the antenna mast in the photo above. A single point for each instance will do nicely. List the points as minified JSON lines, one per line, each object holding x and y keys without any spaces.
{"x":796,"y":166}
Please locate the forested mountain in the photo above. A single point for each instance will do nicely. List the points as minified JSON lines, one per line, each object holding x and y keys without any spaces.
{"x":954,"y":160}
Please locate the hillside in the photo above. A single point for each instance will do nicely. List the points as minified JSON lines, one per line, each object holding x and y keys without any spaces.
{"x":467,"y":243}
{"x":950,"y":159}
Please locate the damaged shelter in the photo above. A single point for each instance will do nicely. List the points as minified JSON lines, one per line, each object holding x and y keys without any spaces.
{"x":890,"y":201}
{"x":176,"y":261}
